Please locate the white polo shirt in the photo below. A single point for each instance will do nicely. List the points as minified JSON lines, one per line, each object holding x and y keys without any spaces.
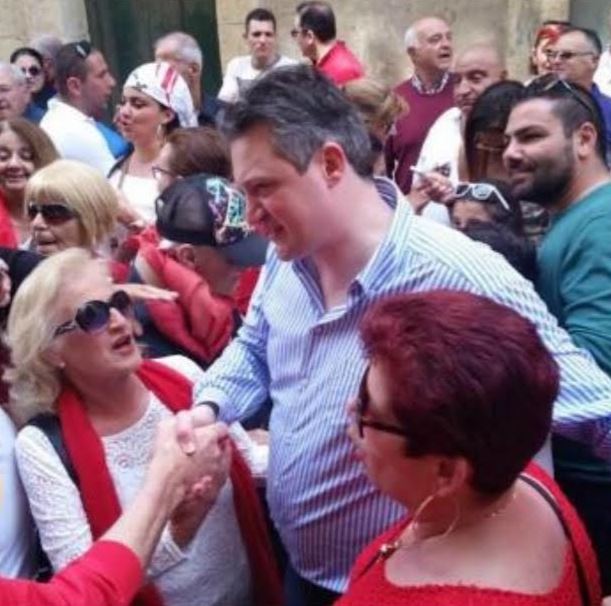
{"x":76,"y":136}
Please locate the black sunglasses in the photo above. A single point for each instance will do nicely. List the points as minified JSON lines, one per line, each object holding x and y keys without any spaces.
{"x":362,"y":404}
{"x":540,"y":85}
{"x":93,"y":317}
{"x":32,"y":70}
{"x":53,"y":214}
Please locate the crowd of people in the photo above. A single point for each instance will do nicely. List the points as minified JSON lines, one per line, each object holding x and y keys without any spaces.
{"x":316,"y":340}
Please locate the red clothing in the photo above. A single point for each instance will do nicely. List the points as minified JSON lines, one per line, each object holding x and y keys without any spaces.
{"x":369,"y":586}
{"x":8,"y":237}
{"x":340,"y":65}
{"x":403,"y":147}
{"x":199,"y":321}
{"x":109,"y":574}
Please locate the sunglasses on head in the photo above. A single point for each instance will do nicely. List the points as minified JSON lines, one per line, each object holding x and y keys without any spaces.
{"x":53,"y":214}
{"x":482,"y":192}
{"x":93,"y":316}
{"x":545,"y":84}
{"x":32,"y":70}
{"x":83,"y":48}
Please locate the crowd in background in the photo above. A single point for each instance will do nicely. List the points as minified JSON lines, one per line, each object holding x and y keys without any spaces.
{"x":313,"y":340}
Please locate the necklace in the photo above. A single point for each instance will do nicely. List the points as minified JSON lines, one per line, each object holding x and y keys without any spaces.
{"x":388,"y":549}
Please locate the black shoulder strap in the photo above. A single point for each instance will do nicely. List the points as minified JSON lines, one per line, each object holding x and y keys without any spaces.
{"x":49,"y":424}
{"x":551,"y":501}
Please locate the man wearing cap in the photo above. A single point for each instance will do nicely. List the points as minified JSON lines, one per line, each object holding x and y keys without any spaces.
{"x":84,"y":85}
{"x":342,"y":240}
{"x":207,"y":244}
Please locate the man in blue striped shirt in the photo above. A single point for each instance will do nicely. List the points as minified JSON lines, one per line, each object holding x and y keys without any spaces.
{"x":341,"y":241}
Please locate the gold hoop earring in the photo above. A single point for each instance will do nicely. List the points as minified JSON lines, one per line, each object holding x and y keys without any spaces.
{"x":415,"y":522}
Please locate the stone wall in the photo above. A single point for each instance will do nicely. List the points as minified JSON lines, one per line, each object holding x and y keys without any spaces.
{"x":375,"y":29}
{"x":23,"y":20}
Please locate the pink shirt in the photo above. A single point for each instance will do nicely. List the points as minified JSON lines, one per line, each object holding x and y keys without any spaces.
{"x":340,"y":65}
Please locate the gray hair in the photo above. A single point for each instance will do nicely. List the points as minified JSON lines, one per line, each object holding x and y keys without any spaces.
{"x":186,"y":46}
{"x":303,"y":110}
{"x":411,"y":37}
{"x":47,"y":45}
{"x":15,"y":72}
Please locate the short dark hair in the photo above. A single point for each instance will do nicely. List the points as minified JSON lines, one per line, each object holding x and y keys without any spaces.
{"x":468,"y":377}
{"x":572,"y":104}
{"x":319,"y":18}
{"x":518,"y":250}
{"x":27,"y":51}
{"x":259,"y":14}
{"x":302,"y":109}
{"x":198,"y":150}
{"x":592,"y":37}
{"x":71,"y":62}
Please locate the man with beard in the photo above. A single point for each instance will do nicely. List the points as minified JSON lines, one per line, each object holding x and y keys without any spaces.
{"x":556,"y":157}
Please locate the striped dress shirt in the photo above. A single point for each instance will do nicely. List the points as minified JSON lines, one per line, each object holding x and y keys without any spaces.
{"x":310,"y":360}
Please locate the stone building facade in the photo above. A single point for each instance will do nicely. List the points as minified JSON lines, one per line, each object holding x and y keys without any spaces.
{"x":373,"y":29}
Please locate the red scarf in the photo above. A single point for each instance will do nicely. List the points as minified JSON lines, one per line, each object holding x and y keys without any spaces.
{"x":102,"y":504}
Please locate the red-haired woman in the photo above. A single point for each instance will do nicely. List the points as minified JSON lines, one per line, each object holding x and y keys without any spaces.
{"x":546,"y":36}
{"x":456,"y":401}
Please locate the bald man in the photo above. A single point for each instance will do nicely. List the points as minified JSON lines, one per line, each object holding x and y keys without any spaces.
{"x":429,"y":93}
{"x":476,"y":68}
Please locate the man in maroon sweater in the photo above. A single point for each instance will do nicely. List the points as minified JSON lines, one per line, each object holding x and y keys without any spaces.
{"x":429,"y":93}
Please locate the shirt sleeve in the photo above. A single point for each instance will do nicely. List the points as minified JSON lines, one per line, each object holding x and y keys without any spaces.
{"x":109,"y":574}
{"x":229,"y":90}
{"x":239,"y":380}
{"x":582,"y":410}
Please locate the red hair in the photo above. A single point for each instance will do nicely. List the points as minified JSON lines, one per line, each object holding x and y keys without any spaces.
{"x":467,"y":377}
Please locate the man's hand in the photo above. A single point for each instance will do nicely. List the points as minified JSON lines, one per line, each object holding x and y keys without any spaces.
{"x":187,"y":421}
{"x":436,"y":187}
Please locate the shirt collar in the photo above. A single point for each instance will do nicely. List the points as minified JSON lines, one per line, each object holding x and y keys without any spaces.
{"x":434,"y":90}
{"x":76,"y":114}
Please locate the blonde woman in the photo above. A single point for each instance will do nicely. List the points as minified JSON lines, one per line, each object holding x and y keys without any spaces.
{"x":74,"y":356}
{"x":70,"y":204}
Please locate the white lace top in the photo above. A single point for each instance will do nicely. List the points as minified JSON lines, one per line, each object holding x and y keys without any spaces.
{"x":213,"y":571}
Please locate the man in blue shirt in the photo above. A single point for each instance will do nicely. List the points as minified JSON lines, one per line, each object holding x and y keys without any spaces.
{"x":341,"y":241}
{"x":575,"y":57}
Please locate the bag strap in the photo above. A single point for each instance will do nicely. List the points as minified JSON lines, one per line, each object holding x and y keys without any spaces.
{"x":49,"y":424}
{"x":551,"y":501}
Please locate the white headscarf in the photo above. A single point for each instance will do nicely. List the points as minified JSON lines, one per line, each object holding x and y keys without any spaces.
{"x":162,"y":82}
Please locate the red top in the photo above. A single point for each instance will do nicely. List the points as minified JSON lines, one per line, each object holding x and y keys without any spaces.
{"x":109,"y":574}
{"x":370,"y":586}
{"x":403,"y":147}
{"x":8,"y":237}
{"x":340,"y":65}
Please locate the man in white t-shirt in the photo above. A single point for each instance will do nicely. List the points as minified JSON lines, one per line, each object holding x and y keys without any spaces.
{"x":260,"y":35}
{"x":84,"y":85}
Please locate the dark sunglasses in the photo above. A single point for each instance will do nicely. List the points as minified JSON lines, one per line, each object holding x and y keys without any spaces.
{"x":362,"y":404}
{"x":93,"y":317}
{"x":540,"y":85}
{"x":53,"y":214}
{"x":482,"y":192}
{"x":33,"y":70}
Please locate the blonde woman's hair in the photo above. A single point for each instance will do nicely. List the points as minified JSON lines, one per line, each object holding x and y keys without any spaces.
{"x":34,"y":383}
{"x":378,"y":105}
{"x":84,"y":190}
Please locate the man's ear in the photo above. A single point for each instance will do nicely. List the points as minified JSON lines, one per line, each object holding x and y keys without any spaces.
{"x":334,"y":162}
{"x":586,"y":139}
{"x":74,"y":86}
{"x":185,"y":255}
{"x":195,"y":71}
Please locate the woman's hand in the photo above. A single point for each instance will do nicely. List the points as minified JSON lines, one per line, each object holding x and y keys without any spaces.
{"x":146,"y":292}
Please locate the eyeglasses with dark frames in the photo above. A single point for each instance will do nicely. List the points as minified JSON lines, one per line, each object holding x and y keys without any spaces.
{"x":362,"y":404}
{"x":565,"y":55}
